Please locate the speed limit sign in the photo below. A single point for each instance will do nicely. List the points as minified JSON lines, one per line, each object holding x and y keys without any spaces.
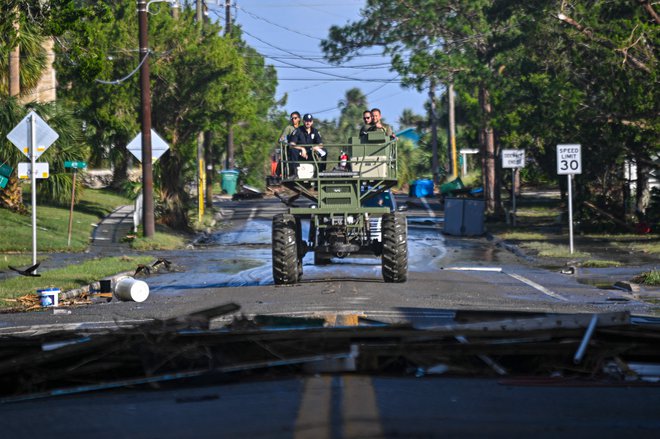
{"x":569,"y":159}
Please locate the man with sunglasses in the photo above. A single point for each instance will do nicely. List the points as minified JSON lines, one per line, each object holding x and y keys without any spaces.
{"x":306,"y":135}
{"x":295,"y":123}
{"x":366,"y":117}
{"x":275,"y":164}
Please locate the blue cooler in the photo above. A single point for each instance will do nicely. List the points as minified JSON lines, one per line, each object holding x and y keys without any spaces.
{"x":421,"y":188}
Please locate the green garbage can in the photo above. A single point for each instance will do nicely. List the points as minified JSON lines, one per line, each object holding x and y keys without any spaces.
{"x":449,"y":187}
{"x":229,"y":180}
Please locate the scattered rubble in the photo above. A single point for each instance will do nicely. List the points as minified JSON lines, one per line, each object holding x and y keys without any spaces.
{"x":583,"y":349}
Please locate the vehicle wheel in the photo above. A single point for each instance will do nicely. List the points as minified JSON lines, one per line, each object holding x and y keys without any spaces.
{"x":301,"y":247}
{"x":285,"y":251}
{"x":395,"y":248}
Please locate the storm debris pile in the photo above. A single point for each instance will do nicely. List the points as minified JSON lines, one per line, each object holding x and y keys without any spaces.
{"x":613,"y":350}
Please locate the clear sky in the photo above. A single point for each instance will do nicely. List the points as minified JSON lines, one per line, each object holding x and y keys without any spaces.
{"x":288,"y":33}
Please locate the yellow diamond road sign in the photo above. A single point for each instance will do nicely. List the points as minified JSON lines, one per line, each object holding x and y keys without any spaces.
{"x":21,"y":135}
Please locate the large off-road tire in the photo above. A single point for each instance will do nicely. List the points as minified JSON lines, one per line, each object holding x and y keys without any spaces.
{"x":285,"y":250}
{"x":395,"y":248}
{"x":301,"y":248}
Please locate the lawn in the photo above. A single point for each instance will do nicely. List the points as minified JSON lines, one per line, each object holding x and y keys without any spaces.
{"x":68,"y":278}
{"x":53,"y":224}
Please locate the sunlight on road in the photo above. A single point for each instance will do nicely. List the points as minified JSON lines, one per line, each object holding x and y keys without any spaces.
{"x":243,"y":258}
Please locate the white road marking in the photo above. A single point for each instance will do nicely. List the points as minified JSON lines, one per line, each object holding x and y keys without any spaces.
{"x":428,"y":207}
{"x":253,"y":212}
{"x":522,"y":279}
{"x":492,"y":269}
{"x":538,"y":287}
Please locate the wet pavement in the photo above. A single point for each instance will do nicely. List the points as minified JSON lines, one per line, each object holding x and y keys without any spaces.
{"x":445,"y":272}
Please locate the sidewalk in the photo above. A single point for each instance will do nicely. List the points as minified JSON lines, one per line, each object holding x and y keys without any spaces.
{"x":108,"y":237}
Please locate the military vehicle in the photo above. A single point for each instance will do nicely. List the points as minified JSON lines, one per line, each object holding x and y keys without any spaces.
{"x":340,"y":188}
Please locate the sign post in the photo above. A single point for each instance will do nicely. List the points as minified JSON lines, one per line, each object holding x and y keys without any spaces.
{"x":569,"y":162}
{"x":514,"y":159}
{"x":32,"y":136}
{"x":157,"y":149}
{"x":75,"y":166}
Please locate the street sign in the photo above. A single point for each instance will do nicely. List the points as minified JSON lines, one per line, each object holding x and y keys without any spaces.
{"x":158,"y":146}
{"x":32,"y":136}
{"x":21,"y":135}
{"x":569,"y":159}
{"x":75,"y":165}
{"x":40,"y":170}
{"x":513,"y":158}
{"x":5,"y":170}
{"x":3,"y":182}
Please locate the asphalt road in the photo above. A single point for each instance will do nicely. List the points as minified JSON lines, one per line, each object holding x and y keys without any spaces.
{"x":233,"y":265}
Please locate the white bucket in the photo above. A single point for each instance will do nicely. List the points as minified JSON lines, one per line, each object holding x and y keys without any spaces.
{"x":131,"y":289}
{"x":49,"y":297}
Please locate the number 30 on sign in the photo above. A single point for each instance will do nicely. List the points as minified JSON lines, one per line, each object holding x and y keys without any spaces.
{"x":569,"y":159}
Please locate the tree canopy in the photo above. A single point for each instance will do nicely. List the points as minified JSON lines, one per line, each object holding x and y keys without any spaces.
{"x":531,"y":75}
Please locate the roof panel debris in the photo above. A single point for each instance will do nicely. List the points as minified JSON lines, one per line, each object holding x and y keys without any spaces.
{"x":608,"y":348}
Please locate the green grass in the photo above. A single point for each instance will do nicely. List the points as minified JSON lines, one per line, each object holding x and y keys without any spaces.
{"x":53,"y":224}
{"x":537,"y":212}
{"x":643,"y":247}
{"x":159,"y":241}
{"x":600,"y":263}
{"x":523,"y":236}
{"x":648,"y":278}
{"x":68,"y":278}
{"x":548,"y":250}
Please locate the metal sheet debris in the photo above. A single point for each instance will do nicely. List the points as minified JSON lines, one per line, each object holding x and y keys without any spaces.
{"x":485,"y":344}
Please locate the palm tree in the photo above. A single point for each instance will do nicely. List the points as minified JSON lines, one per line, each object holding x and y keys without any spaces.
{"x":10,"y":114}
{"x":68,"y":147}
{"x":350,"y":119}
{"x":30,"y":42}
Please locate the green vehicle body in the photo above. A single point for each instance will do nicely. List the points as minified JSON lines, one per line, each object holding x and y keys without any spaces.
{"x":340,"y":225}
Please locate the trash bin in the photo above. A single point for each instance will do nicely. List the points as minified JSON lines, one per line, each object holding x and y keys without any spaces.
{"x":421,"y":188}
{"x":464,"y":216}
{"x":229,"y":180}
{"x":450,"y":186}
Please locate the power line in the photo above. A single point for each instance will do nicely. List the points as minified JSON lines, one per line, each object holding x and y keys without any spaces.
{"x":257,"y":17}
{"x":119,"y":81}
{"x":383,"y":80}
{"x":336,"y":107}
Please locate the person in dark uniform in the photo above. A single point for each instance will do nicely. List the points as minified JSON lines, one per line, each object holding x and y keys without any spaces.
{"x":284,"y":140}
{"x":295,"y":123}
{"x":366,"y":117}
{"x":310,"y":137}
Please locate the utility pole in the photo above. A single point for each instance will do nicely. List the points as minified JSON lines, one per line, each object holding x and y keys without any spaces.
{"x":145,"y":97}
{"x":210,"y":167}
{"x":14,"y":82}
{"x":434,"y":133}
{"x":230,"y":128}
{"x":199,"y":12}
{"x":452,"y":130}
{"x":201,"y":172}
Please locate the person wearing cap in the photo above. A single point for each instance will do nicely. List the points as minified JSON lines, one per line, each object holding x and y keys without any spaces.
{"x":310,"y":137}
{"x":377,"y":124}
